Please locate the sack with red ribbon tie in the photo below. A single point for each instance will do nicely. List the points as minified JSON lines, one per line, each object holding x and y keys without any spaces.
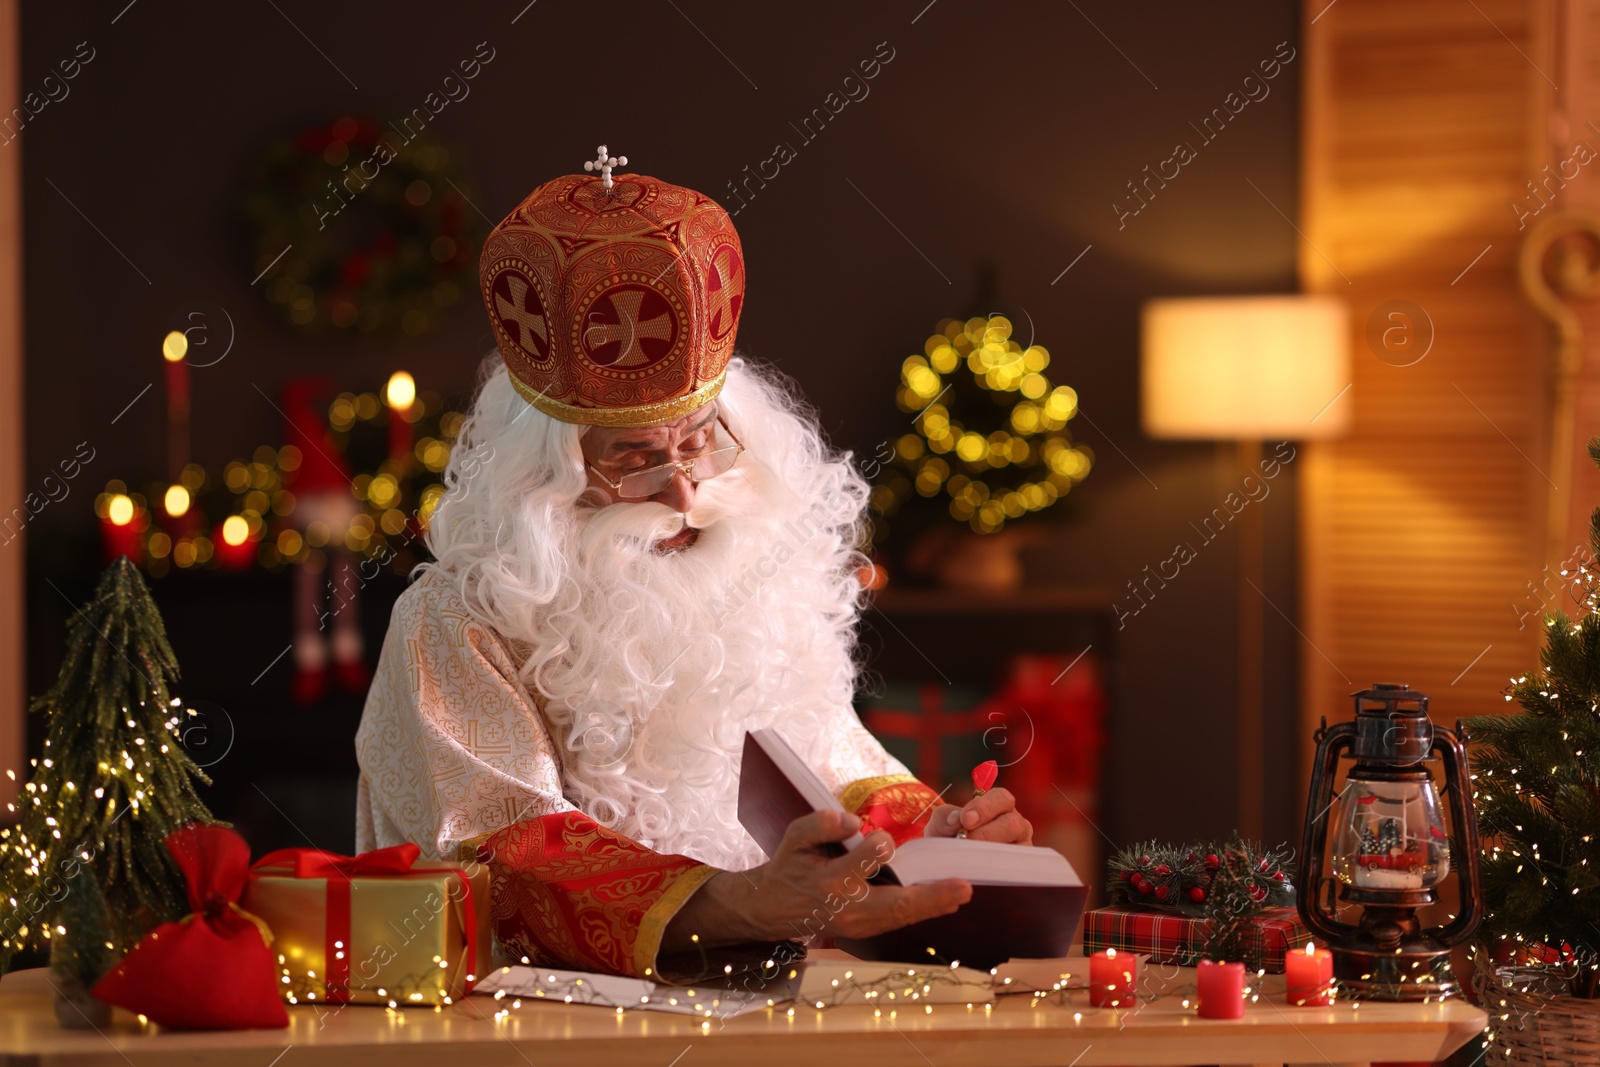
{"x":212,"y":969}
{"x":374,"y":928}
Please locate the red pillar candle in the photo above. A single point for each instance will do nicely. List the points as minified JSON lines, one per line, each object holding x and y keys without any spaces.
{"x":231,"y":542}
{"x":175,"y":347}
{"x":400,"y":437}
{"x":401,"y":396}
{"x":1309,"y":977}
{"x":122,"y":529}
{"x":1221,"y":990}
{"x":1111,"y":978}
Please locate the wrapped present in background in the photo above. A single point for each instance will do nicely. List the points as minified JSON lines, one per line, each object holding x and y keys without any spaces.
{"x":933,"y":728}
{"x":374,"y":928}
{"x":1041,"y":720}
{"x":1183,"y":940}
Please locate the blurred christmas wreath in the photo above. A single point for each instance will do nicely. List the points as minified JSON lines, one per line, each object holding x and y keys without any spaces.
{"x":361,"y":228}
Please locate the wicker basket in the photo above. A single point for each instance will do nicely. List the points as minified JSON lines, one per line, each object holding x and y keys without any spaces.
{"x":1533,"y":1017}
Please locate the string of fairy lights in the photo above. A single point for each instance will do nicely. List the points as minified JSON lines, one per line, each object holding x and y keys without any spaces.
{"x":902,"y":989}
{"x":889,"y":993}
{"x":409,"y":990}
{"x":989,"y":476}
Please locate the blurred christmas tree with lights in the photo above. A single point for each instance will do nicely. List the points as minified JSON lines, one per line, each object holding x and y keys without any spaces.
{"x":989,"y":443}
{"x":112,"y":782}
{"x":1536,"y":788}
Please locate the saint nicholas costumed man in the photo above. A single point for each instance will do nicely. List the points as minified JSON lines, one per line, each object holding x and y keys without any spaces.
{"x":645,"y":550}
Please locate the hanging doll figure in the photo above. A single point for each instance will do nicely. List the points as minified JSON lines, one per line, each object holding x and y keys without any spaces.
{"x":327,"y":620}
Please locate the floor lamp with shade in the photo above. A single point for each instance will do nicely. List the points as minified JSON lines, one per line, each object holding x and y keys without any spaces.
{"x":1246,"y":369}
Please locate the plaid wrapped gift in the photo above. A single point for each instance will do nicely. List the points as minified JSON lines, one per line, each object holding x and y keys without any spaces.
{"x":936,"y":730}
{"x":1180,"y":939}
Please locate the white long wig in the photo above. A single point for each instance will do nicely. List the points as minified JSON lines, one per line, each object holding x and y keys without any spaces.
{"x":649,"y":667}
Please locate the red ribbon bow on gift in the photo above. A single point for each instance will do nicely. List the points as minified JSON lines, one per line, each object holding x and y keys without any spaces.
{"x":337,"y":870}
{"x":212,"y":969}
{"x":318,"y":863}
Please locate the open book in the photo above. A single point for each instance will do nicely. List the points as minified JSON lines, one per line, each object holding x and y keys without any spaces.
{"x":1026,"y":900}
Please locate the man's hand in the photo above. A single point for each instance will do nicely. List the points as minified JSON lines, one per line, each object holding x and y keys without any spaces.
{"x":803,"y":890}
{"x":991,"y":817}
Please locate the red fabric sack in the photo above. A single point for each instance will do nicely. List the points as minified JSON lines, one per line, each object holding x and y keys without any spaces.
{"x":212,"y":969}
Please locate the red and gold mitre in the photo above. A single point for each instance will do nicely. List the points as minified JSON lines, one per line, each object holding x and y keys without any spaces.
{"x":614,"y":300}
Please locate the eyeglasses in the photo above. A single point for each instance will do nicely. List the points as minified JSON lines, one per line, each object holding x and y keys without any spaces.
{"x":643,"y":484}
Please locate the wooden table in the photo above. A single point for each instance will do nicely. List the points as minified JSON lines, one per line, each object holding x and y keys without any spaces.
{"x":550,"y":1034}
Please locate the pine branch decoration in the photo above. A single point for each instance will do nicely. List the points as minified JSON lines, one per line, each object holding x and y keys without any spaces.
{"x":1228,"y":884}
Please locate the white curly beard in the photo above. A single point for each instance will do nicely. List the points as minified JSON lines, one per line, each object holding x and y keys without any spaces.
{"x":668,"y":663}
{"x":651,"y":665}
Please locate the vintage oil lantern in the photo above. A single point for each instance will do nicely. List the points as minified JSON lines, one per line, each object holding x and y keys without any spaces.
{"x":1383,"y":843}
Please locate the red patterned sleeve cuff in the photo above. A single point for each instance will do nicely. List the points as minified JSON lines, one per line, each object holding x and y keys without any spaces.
{"x":897,"y":803}
{"x":565,"y":891}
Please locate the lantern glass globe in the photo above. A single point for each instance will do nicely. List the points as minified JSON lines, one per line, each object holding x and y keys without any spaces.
{"x":1389,"y":835}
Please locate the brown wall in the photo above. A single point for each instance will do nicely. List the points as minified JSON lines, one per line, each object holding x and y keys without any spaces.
{"x":997,"y":133}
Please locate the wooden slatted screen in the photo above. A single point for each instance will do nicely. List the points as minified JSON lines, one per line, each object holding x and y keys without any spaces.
{"x":1422,"y":122}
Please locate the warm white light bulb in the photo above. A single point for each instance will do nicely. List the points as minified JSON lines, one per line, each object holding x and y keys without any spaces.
{"x":401,"y":392}
{"x":174,"y":346}
{"x":235,"y":530}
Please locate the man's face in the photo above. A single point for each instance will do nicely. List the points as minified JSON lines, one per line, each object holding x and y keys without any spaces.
{"x":619,"y":450}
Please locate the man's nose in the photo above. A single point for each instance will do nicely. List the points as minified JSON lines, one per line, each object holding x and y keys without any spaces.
{"x":679,"y":493}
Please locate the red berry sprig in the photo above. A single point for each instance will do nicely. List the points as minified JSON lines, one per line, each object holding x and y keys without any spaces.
{"x":1192,"y":879}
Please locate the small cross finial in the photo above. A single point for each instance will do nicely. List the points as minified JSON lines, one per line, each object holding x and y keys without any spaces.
{"x":603,"y":163}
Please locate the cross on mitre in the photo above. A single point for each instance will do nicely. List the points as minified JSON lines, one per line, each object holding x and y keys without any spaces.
{"x":628,"y":331}
{"x":528,"y":315}
{"x":603,"y":163}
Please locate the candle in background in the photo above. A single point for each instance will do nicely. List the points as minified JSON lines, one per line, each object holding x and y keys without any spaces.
{"x":232,"y":544}
{"x":122,"y":527}
{"x":1111,"y":978}
{"x":401,"y":396}
{"x":1309,"y":977}
{"x":174,"y":349}
{"x":1221,"y":989}
{"x":183,"y":519}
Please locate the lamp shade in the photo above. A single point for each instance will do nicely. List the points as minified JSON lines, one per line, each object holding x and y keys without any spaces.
{"x":1245,"y":367}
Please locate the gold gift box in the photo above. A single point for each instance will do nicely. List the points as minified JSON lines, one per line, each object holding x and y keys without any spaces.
{"x":407,"y":940}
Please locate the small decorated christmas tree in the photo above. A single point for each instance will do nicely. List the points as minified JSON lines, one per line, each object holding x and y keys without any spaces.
{"x":1536,"y":787}
{"x":84,"y":871}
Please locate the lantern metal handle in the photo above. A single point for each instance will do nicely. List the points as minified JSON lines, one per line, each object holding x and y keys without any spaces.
{"x":1334,"y":741}
{"x":1464,"y":827}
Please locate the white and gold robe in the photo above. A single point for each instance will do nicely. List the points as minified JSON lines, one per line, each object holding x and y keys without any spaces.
{"x":456,"y":756}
